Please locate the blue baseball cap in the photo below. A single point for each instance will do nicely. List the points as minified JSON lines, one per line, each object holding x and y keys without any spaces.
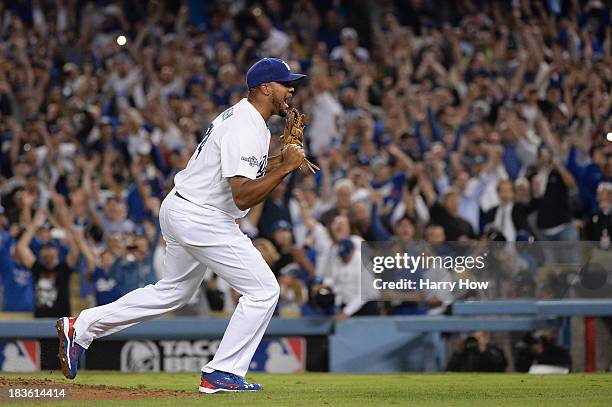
{"x":281,"y":224}
{"x":270,"y":70}
{"x":345,"y":247}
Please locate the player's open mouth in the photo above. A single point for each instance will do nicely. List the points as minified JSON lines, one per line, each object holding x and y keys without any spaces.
{"x":286,"y":103}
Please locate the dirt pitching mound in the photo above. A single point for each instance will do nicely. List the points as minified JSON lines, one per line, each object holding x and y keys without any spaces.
{"x":85,"y":392}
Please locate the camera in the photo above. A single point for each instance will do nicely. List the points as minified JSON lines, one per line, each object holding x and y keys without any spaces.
{"x":322,"y":298}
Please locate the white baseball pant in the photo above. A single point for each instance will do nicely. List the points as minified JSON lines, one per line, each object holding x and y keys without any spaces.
{"x":237,"y":261}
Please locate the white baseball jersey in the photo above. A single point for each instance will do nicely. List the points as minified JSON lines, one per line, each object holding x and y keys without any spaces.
{"x":235,"y":144}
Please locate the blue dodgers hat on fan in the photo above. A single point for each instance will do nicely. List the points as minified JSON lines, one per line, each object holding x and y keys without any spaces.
{"x":270,"y":70}
{"x":281,"y":224}
{"x":345,"y":248}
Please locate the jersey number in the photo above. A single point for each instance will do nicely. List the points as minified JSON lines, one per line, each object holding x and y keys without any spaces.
{"x":204,"y":139}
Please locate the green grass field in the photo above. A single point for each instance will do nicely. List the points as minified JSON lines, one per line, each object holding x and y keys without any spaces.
{"x":317,"y":389}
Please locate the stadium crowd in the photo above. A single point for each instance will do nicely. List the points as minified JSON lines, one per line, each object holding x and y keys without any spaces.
{"x":433,"y":120}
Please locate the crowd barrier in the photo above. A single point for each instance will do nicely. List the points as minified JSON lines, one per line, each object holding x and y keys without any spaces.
{"x":567,"y":308}
{"x":361,"y":344}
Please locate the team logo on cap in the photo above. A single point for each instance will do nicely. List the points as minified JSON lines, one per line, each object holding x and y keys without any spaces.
{"x":287,"y":65}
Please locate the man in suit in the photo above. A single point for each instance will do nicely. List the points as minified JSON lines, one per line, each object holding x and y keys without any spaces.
{"x":509,"y":216}
{"x":447,"y":216}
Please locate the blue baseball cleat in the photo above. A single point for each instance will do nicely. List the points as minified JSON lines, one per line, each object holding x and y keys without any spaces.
{"x":218,"y":381}
{"x":69,"y":350}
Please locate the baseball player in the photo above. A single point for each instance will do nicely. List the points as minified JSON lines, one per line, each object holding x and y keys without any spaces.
{"x":228,"y":173}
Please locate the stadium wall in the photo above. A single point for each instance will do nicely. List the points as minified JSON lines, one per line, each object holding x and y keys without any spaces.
{"x":362,"y":344}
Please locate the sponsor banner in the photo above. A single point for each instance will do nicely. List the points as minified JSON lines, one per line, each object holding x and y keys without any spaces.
{"x":275,"y":355}
{"x":280,"y":355}
{"x":140,"y":356}
{"x":441,"y":273}
{"x":19,"y":355}
{"x":167,"y":355}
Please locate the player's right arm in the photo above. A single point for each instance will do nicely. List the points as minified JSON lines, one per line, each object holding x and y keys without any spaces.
{"x":274,"y":162}
{"x":249,"y":192}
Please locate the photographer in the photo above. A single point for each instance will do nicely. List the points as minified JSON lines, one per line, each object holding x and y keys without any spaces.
{"x":540,"y":349}
{"x":133,"y":268}
{"x":477,"y":354}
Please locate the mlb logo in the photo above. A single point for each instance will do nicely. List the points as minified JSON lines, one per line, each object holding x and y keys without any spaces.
{"x":280,"y":355}
{"x":20,"y":356}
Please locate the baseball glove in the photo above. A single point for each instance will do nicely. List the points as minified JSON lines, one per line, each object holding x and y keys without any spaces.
{"x":294,"y":134}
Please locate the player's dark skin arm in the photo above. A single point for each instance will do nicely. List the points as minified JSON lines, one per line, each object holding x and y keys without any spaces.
{"x":249,"y":192}
{"x":274,"y":162}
